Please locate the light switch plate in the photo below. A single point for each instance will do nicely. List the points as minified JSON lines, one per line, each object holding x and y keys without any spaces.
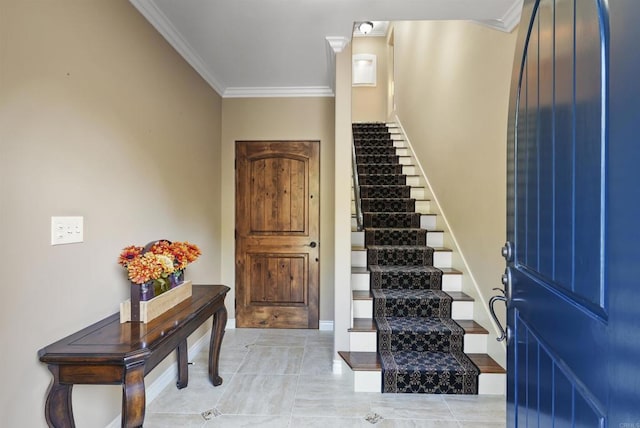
{"x":67,"y":230}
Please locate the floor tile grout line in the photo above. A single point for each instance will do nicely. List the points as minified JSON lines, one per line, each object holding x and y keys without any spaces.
{"x":295,"y":394}
{"x":309,"y":355}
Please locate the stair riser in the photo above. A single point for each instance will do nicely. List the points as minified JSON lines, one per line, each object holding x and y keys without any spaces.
{"x":441,"y":259}
{"x":366,"y":341}
{"x":434,"y":239}
{"x":426,"y":222}
{"x":421,"y":206}
{"x":357,"y":239}
{"x":358,"y":258}
{"x":418,"y":193}
{"x":362,"y":341}
{"x":492,"y":384}
{"x":488,"y":383}
{"x":384,"y":256}
{"x":409,"y":170}
{"x":459,"y":310}
{"x":414,"y":181}
{"x":450,"y":282}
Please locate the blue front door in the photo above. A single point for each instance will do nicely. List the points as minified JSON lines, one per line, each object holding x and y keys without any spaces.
{"x":573,"y":256}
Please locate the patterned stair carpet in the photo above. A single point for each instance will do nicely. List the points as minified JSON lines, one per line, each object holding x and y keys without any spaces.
{"x":420,"y":346}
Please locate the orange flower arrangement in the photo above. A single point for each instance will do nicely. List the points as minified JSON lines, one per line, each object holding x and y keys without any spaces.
{"x":158,"y":260}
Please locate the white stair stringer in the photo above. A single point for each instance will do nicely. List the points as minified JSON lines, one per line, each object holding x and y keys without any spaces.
{"x":489,"y":383}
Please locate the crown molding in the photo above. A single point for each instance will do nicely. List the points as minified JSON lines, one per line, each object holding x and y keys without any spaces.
{"x":374,"y":33}
{"x":337,"y":44}
{"x":160,"y":22}
{"x":278,"y":92}
{"x":509,"y":20}
{"x":334,"y":46}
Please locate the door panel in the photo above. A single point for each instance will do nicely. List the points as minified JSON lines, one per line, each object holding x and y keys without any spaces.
{"x":277,"y":189}
{"x":566,"y":170}
{"x":559,"y":311}
{"x":572,"y":213}
{"x":277,"y":278}
{"x":277,"y":229}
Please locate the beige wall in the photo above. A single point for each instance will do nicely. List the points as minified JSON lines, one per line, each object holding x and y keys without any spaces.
{"x":279,"y":119}
{"x":99,"y":117}
{"x":369,"y":103}
{"x":342,"y":197}
{"x":452,"y":86}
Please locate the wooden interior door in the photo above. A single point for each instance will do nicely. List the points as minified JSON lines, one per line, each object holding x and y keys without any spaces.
{"x":277,"y":230}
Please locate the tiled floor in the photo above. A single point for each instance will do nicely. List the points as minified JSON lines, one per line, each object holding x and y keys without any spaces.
{"x":283,"y":378}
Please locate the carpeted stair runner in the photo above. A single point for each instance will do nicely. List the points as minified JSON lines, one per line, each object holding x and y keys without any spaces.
{"x":420,"y":346}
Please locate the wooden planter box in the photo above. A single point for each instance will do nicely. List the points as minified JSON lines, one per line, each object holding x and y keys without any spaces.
{"x":158,"y":305}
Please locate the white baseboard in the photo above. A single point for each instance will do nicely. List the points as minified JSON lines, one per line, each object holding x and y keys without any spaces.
{"x":337,"y":367}
{"x":323,"y":325}
{"x":326,"y":325}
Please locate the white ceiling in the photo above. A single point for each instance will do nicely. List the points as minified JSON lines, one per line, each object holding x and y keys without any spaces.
{"x":280,"y":47}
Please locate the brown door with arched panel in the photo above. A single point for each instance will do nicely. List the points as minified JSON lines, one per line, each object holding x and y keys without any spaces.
{"x":277,"y":231}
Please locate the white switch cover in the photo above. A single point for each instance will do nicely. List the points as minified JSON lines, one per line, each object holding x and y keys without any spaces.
{"x":67,"y":230}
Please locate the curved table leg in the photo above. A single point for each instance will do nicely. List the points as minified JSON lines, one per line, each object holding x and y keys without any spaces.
{"x":183,"y":369}
{"x":133,"y":397}
{"x":217,"y":333}
{"x":57,"y":410}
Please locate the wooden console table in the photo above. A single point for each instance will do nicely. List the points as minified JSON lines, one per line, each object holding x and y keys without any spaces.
{"x":110,"y":353}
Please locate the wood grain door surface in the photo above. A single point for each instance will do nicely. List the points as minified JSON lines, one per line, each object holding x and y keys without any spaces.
{"x":277,"y":231}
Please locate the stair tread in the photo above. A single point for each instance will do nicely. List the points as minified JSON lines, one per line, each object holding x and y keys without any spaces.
{"x":363,"y":324}
{"x":457,"y":296}
{"x":401,"y":228}
{"x":397,"y":228}
{"x":370,"y":361}
{"x":435,"y":249}
{"x":395,"y":199}
{"x":471,"y":327}
{"x":419,"y":186}
{"x":445,"y":271}
{"x":362,"y":361}
{"x":397,"y":247}
{"x":404,"y":269}
{"x":369,"y":324}
{"x":486,"y":364}
{"x":353,"y":215}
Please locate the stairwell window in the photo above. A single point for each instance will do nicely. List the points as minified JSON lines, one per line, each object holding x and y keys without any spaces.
{"x":363,"y":70}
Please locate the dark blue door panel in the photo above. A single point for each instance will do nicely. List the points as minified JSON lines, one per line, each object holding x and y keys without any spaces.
{"x":548,"y":392}
{"x":564,"y":168}
{"x":621,"y":251}
{"x":574,"y":216}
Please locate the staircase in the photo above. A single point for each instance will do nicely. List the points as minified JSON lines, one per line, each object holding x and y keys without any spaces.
{"x":405,"y":293}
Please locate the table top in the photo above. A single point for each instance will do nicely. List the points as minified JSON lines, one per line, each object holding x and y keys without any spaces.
{"x":109,"y":341}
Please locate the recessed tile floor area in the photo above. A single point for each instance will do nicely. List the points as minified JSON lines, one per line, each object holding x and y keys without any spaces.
{"x":283,"y":379}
